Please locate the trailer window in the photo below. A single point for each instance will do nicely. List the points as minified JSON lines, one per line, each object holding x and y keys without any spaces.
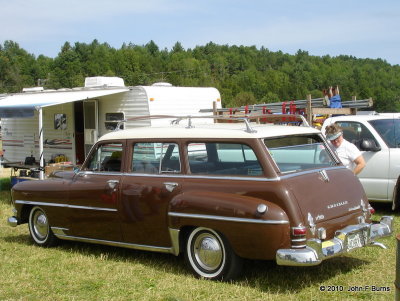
{"x":112,"y":121}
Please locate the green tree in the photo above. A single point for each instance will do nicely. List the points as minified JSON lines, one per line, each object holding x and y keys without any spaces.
{"x":243,"y":74}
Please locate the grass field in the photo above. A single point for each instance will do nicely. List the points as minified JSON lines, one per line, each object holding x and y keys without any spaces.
{"x":77,"y":271}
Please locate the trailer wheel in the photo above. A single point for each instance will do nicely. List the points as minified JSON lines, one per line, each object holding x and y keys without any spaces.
{"x":209,"y":255}
{"x":39,"y":228}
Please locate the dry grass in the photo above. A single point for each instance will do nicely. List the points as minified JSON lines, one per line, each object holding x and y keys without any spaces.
{"x":77,"y":271}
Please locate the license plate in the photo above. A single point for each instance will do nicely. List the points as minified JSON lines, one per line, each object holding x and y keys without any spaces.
{"x":354,"y":241}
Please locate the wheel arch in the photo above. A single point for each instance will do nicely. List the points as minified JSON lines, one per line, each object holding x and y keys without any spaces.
{"x":396,"y":195}
{"x":25,"y":211}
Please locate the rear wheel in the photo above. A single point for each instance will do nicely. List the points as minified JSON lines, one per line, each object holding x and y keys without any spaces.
{"x":39,"y":228}
{"x":210,"y":256}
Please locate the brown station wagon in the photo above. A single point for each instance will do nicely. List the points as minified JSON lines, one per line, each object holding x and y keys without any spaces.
{"x":217,"y":193}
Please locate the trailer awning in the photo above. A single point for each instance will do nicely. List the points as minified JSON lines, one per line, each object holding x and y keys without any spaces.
{"x":23,"y":105}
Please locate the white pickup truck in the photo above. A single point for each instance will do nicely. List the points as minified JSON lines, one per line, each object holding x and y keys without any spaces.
{"x":378,"y":137}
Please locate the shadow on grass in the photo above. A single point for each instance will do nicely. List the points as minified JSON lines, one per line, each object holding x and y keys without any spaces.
{"x":265,"y":276}
{"x":384,"y":208}
{"x":21,"y":239}
{"x":168,"y":262}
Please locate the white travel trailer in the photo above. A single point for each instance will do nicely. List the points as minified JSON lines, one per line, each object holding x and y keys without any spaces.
{"x":67,"y":122}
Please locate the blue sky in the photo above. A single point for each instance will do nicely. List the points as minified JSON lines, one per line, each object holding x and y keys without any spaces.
{"x":364,"y":29}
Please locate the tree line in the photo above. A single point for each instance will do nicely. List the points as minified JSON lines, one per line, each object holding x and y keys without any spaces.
{"x":243,"y":74}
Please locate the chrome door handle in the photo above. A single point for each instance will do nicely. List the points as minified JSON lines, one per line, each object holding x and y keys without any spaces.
{"x":112,"y":183}
{"x":170,"y":186}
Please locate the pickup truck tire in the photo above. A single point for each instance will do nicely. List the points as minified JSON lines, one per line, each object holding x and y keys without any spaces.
{"x":39,"y":228}
{"x":396,"y":196}
{"x":209,"y":255}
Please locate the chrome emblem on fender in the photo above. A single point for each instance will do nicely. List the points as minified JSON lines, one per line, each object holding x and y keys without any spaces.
{"x":324,"y":176}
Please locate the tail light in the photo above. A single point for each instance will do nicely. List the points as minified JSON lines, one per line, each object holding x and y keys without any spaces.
{"x":298,"y":237}
{"x":299,"y":231}
{"x":371,"y":210}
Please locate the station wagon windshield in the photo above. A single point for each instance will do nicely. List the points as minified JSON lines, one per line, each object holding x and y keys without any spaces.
{"x":298,"y":153}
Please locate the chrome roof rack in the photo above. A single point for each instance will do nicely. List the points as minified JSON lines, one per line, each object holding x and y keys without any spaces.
{"x":293,"y":119}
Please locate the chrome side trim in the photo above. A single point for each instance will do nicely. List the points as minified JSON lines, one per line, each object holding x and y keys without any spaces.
{"x":64,"y":205}
{"x":174,"y":233}
{"x":216,"y":177}
{"x":228,"y":219}
{"x":305,"y":172}
{"x":190,"y":176}
{"x":83,"y":173}
{"x":59,"y":231}
{"x":117,"y":244}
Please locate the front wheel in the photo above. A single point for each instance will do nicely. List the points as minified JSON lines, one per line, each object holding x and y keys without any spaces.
{"x":396,"y":197}
{"x":210,"y":256}
{"x":39,"y":228}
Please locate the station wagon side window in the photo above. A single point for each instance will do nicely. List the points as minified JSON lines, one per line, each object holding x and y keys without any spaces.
{"x":155,"y":158}
{"x":299,"y":152}
{"x":106,"y":158}
{"x":223,"y":159}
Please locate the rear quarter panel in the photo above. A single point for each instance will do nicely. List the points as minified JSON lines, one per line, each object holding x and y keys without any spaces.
{"x":251,"y":234}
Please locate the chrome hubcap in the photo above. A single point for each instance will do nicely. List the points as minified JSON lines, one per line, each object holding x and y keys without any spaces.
{"x":40,"y":225}
{"x":208,"y":251}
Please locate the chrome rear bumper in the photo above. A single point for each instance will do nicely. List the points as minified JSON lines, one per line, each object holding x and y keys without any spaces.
{"x":345,"y":240}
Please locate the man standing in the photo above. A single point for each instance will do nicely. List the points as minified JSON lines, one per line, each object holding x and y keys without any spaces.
{"x":347,"y":152}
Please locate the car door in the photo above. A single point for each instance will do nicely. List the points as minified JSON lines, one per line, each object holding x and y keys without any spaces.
{"x":94,"y":194}
{"x":389,"y":131}
{"x":374,"y":177}
{"x":153,"y":179}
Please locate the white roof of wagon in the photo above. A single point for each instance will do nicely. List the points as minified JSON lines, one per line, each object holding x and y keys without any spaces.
{"x":219,"y":130}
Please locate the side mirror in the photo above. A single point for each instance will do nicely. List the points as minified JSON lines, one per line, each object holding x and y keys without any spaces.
{"x":369,"y":145}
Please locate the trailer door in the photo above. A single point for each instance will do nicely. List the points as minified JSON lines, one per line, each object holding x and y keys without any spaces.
{"x":90,"y":116}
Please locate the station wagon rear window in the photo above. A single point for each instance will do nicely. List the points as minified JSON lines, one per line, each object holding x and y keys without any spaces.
{"x":223,"y":159}
{"x":298,"y":153}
